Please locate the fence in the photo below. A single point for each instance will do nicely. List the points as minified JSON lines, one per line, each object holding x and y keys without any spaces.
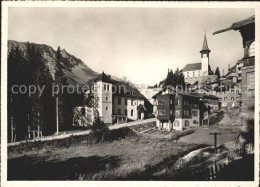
{"x":222,"y":170}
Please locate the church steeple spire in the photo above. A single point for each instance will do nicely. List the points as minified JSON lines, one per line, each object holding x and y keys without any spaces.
{"x":205,"y":48}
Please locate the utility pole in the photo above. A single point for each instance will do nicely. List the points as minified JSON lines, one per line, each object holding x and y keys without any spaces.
{"x":215,"y":140}
{"x":57,"y":114}
{"x":208,"y":114}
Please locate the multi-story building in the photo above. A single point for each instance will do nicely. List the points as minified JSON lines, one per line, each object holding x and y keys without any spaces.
{"x":246,"y":66}
{"x":128,"y":104}
{"x":117,"y":102}
{"x":177,"y":111}
{"x":103,"y":92}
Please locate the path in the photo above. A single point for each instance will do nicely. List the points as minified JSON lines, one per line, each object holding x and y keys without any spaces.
{"x":85,"y":132}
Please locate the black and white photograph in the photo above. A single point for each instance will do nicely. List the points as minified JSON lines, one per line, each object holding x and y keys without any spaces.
{"x":108,"y":93}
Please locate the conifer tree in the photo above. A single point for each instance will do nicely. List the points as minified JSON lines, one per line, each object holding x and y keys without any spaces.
{"x":217,"y":72}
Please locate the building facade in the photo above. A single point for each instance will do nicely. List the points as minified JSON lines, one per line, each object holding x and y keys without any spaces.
{"x":178,"y":111}
{"x":117,"y":102}
{"x":246,"y":65}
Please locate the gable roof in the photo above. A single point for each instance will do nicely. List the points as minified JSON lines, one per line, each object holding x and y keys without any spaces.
{"x":192,"y":67}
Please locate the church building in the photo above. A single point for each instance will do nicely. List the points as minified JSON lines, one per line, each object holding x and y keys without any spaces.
{"x":199,"y":71}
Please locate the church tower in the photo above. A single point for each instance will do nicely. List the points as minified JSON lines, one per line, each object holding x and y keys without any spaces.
{"x":205,"y":57}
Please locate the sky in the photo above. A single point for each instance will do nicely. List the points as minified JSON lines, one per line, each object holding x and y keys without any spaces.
{"x":139,"y":43}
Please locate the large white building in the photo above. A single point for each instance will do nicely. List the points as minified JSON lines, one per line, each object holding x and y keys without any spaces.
{"x":199,"y":71}
{"x":118,"y":102}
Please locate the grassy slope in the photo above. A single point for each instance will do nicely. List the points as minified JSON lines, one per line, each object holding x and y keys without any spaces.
{"x":130,"y":158}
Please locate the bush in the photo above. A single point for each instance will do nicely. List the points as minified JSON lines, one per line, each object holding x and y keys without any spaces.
{"x":99,"y":130}
{"x":179,"y":134}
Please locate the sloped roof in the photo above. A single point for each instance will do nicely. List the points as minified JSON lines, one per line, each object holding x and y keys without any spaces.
{"x":104,"y":78}
{"x":205,"y":45}
{"x":237,"y":25}
{"x":129,"y":91}
{"x":192,"y":67}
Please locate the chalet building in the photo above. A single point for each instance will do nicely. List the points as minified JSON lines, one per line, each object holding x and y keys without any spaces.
{"x":200,"y":71}
{"x":118,"y":102}
{"x":213,"y":102}
{"x":246,"y":65}
{"x":179,"y":111}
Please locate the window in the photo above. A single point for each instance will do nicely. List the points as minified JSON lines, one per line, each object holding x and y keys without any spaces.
{"x":104,"y":86}
{"x":161,"y":102}
{"x":170,"y":111}
{"x":186,"y":112}
{"x":186,"y":124}
{"x":177,"y":112}
{"x":232,"y":98}
{"x":107,"y":87}
{"x":106,"y":98}
{"x":161,"y":112}
{"x":119,"y":101}
{"x":237,"y":98}
{"x":195,"y":113}
{"x":106,"y":108}
{"x":237,"y":92}
{"x":171,"y":101}
{"x":195,"y":105}
{"x":232,"y":91}
{"x":132,"y":112}
{"x":195,"y":122}
{"x":83,"y":111}
{"x":126,"y":112}
{"x":125,"y":101}
{"x":132,"y":102}
{"x":176,"y":124}
{"x":177,"y":102}
{"x":251,"y":51}
{"x":186,"y":103}
{"x":119,"y":111}
{"x":225,"y":98}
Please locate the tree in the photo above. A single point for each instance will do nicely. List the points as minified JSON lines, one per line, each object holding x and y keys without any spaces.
{"x":19,"y":104}
{"x":217,"y":72}
{"x":60,"y":82}
{"x":174,"y":79}
{"x":210,"y":71}
{"x":169,"y":81}
{"x":99,"y":130}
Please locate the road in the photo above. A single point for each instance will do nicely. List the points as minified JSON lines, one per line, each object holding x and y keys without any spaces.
{"x":85,"y":132}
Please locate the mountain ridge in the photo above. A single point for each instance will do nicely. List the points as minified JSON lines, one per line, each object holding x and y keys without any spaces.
{"x":75,"y":70}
